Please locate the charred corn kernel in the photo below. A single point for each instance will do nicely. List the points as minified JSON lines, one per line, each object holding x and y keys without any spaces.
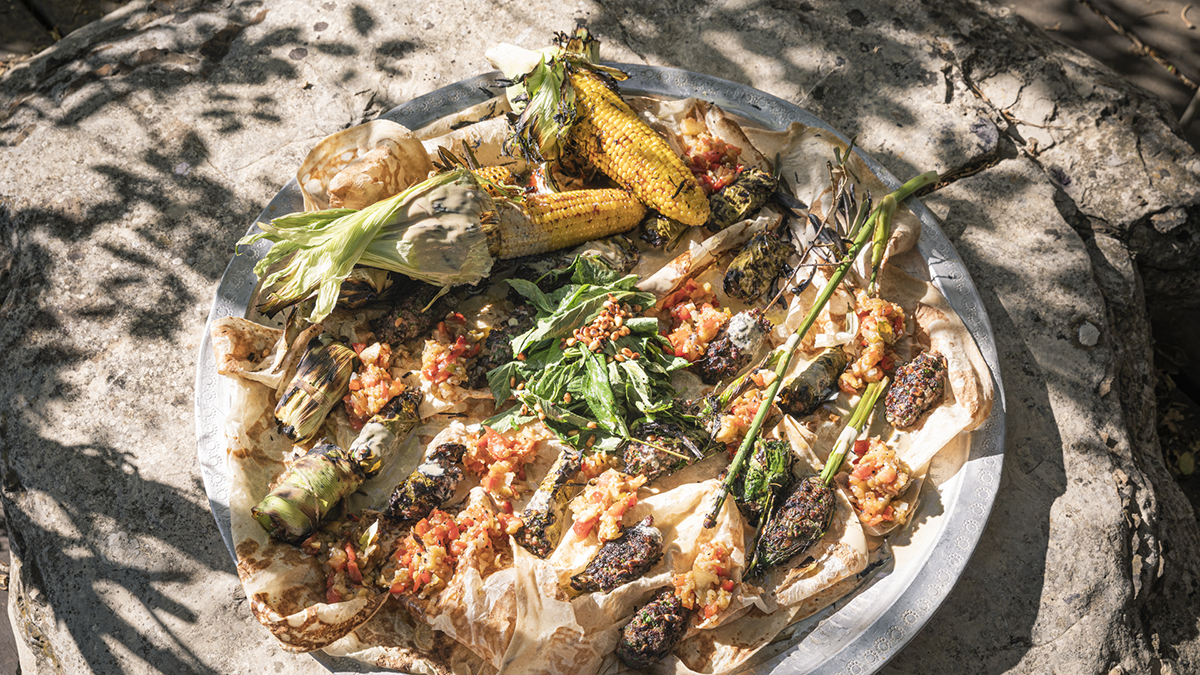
{"x":613,"y":138}
{"x":496,"y":174}
{"x":544,"y":223}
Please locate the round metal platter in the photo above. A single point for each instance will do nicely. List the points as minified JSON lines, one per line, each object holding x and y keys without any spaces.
{"x":858,"y":633}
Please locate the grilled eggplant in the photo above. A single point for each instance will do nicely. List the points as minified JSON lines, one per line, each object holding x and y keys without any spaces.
{"x":622,"y":560}
{"x":544,"y":515}
{"x":919,"y":385}
{"x":733,"y":348}
{"x":761,"y":261}
{"x":805,"y":392}
{"x":741,"y":199}
{"x":655,"y":630}
{"x":768,"y":473}
{"x":430,"y":485}
{"x":322,"y":379}
{"x":795,"y":525}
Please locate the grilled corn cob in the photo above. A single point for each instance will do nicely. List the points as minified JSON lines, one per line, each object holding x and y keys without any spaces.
{"x":565,"y":99}
{"x":623,"y":147}
{"x":316,"y":482}
{"x":543,"y":223}
{"x":322,"y":379}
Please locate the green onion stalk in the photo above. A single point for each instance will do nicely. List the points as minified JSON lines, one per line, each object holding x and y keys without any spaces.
{"x":879,"y":217}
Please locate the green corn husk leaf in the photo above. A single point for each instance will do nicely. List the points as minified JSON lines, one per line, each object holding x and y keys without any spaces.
{"x":542,"y":94}
{"x":545,"y":514}
{"x":386,"y":431}
{"x":322,"y":380}
{"x":741,"y":199}
{"x":432,"y":231}
{"x":311,"y":489}
{"x":803,"y":393}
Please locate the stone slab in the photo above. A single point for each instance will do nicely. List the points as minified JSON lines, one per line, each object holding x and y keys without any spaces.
{"x":137,"y":150}
{"x":20,"y":32}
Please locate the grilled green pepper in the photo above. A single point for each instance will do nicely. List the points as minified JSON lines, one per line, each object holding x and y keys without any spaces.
{"x":802,"y":394}
{"x":761,"y":261}
{"x":741,"y":199}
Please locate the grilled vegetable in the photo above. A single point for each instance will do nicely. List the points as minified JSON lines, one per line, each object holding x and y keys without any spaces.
{"x":768,"y":473}
{"x":741,"y":199}
{"x":654,"y":631}
{"x":572,"y":103}
{"x":661,"y":448}
{"x":444,"y":231}
{"x":803,"y":518}
{"x":919,"y":385}
{"x":322,"y":379}
{"x":313,"y":486}
{"x":789,"y":347}
{"x":544,"y":515}
{"x":661,"y":231}
{"x":385,"y":432}
{"x":622,"y":560}
{"x":761,"y":261}
{"x":803,"y":393}
{"x":739,"y":340}
{"x":430,"y":485}
{"x":316,"y":482}
{"x":552,"y":221}
{"x":796,"y":525}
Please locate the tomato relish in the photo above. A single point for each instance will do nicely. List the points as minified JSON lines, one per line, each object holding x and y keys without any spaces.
{"x":880,"y":324}
{"x":371,"y":386}
{"x":427,"y":558}
{"x":736,"y":422}
{"x":695,"y":319}
{"x":501,"y":459}
{"x":446,"y":358}
{"x":709,"y":584}
{"x":350,"y":555}
{"x":876,"y":478}
{"x":604,"y":502}
{"x":711,"y":160}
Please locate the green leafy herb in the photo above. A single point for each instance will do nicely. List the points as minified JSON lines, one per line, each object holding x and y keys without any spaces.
{"x":584,"y":396}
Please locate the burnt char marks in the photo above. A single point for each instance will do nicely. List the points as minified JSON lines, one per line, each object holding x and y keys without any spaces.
{"x":623,"y":559}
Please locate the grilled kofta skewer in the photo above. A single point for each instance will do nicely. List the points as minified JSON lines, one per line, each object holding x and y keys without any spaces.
{"x":919,"y":386}
{"x":623,"y":559}
{"x":655,"y":630}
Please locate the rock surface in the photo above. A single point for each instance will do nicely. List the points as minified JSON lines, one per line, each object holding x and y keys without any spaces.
{"x":139,"y":148}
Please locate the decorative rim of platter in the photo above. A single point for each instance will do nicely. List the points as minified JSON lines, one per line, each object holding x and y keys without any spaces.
{"x":859,"y":632}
